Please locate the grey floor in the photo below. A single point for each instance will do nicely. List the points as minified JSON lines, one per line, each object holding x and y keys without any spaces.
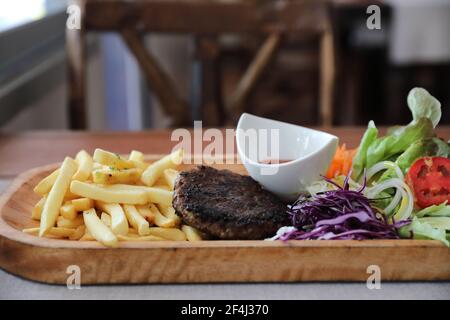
{"x":12,"y":287}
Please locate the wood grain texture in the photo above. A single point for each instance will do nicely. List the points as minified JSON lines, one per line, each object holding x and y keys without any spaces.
{"x":46,"y":260}
{"x":23,"y":151}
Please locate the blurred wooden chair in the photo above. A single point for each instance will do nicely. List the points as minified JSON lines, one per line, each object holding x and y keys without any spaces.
{"x":205,"y":20}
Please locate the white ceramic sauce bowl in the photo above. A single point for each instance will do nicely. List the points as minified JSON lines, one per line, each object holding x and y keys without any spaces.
{"x":310,"y":151}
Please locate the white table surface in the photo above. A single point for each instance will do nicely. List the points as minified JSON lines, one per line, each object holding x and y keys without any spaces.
{"x":13,"y":287}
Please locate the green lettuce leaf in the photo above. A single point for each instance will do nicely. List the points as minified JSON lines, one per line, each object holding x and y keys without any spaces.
{"x":442,"y":210}
{"x":443,"y":148}
{"x":423,"y":105}
{"x":423,"y":230}
{"x":359,"y":160}
{"x":385,"y":147}
{"x":418,"y":149}
{"x":437,"y":222}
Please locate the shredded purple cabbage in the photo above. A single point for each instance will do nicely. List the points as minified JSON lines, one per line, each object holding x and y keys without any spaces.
{"x":339,"y":214}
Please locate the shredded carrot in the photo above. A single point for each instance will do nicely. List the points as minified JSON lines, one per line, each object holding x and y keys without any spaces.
{"x":342,"y":162}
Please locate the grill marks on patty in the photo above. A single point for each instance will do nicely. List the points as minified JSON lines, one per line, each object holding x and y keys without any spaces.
{"x":227,"y":205}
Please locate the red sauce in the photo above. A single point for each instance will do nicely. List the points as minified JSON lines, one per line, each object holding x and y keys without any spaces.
{"x":274,"y":161}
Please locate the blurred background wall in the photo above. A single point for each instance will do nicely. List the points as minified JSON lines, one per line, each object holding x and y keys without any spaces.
{"x":375,"y":69}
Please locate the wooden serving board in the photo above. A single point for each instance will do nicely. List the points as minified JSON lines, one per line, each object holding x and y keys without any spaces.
{"x":47,"y":260}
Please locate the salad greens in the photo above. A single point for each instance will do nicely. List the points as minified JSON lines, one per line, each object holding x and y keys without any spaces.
{"x":360,"y":159}
{"x":404,"y":145}
{"x":442,"y":210}
{"x":348,"y":207}
{"x":418,"y":149}
{"x":424,"y":105}
{"x":423,"y":230}
{"x":426,"y":112}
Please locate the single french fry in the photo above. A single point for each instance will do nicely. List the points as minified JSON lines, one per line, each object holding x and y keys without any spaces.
{"x":156,"y":169}
{"x":62,"y":232}
{"x":136,"y":220}
{"x":160,"y":220}
{"x":82,"y":204}
{"x":169,"y":212}
{"x":114,"y":176}
{"x":37,"y":209}
{"x":44,"y":186}
{"x":119,"y":222}
{"x":144,"y":238}
{"x":138,"y":160}
{"x":191,"y":233}
{"x":68,"y":211}
{"x":106,"y":219}
{"x":136,"y":156}
{"x":160,"y":182}
{"x":110,"y":194}
{"x":145,"y":211}
{"x":79,"y":232}
{"x":54,"y":231}
{"x":161,"y":186}
{"x":32,"y":231}
{"x":159,"y":196}
{"x":98,"y":230}
{"x":85,"y":164}
{"x":56,"y":195}
{"x":66,"y":223}
{"x":111,"y":159}
{"x":69,"y":196}
{"x":154,"y":195}
{"x":168,"y":233}
{"x":170,"y":175}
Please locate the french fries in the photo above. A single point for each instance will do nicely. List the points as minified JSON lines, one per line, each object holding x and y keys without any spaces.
{"x":82,"y":204}
{"x":112,"y":176}
{"x":56,"y":195}
{"x":59,"y":232}
{"x":106,"y":219}
{"x":160,"y":220}
{"x":110,"y":199}
{"x":37,"y":209}
{"x":110,"y":194}
{"x":191,"y":233}
{"x":170,"y":175}
{"x":68,"y":211}
{"x":169,"y":212}
{"x":119,"y":223}
{"x":136,"y":220}
{"x":144,"y":238}
{"x":156,"y":169}
{"x":44,"y":186}
{"x":98,"y":230}
{"x":145,"y":211}
{"x":167,"y":233}
{"x":137,"y":158}
{"x":85,"y":164}
{"x":66,"y":223}
{"x":110,"y":159}
{"x":79,"y":232}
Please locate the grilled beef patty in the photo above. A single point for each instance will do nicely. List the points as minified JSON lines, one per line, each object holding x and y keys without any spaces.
{"x":227,"y":205}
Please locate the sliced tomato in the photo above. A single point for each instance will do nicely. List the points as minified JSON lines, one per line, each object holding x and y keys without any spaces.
{"x":429,"y":178}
